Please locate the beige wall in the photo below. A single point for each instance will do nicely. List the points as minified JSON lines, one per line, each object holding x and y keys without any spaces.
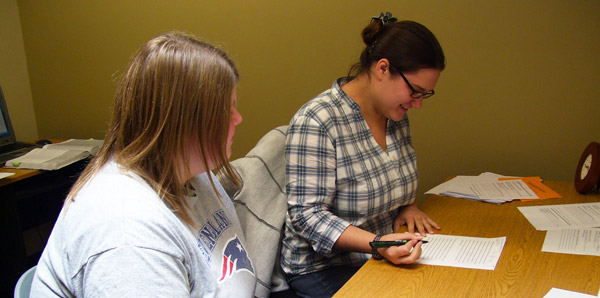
{"x":14,"y":77}
{"x":519,"y":95}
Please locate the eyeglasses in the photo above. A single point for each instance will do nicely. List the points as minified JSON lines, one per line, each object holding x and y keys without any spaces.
{"x":417,"y":94}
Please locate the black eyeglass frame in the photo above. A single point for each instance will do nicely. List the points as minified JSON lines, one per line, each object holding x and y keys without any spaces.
{"x":417,"y":94}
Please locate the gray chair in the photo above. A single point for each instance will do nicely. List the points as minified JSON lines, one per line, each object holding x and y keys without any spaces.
{"x":261,"y":205}
{"x":23,"y":286}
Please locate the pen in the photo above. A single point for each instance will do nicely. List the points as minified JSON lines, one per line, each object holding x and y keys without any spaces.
{"x":379,"y":244}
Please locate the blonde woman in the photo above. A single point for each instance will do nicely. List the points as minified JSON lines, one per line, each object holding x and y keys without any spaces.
{"x":147,"y":218}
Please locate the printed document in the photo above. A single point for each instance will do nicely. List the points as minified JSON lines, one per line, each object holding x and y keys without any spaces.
{"x":460,"y":251}
{"x":573,"y":241}
{"x":486,"y":187}
{"x":552,"y":217}
{"x":507,"y":190}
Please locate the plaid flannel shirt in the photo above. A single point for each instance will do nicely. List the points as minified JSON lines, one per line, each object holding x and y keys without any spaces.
{"x":337,"y":175}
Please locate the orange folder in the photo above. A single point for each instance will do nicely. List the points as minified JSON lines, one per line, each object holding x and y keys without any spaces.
{"x":540,"y":189}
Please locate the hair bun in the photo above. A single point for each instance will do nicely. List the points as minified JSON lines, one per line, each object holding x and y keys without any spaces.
{"x":378,"y":23}
{"x":369,"y":34}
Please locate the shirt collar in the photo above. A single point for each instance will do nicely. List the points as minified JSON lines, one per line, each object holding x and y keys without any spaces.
{"x":338,"y":92}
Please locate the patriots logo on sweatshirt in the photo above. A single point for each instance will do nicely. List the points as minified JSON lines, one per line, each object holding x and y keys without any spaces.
{"x":235,"y":258}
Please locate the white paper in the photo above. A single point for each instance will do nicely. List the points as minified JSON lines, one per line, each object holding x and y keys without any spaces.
{"x":573,"y":241}
{"x":560,"y":293}
{"x":507,"y":190}
{"x":4,"y":175}
{"x":488,"y":186}
{"x":552,"y":217}
{"x":90,"y":145}
{"x":46,"y":159}
{"x":463,"y":252}
{"x":461,"y":184}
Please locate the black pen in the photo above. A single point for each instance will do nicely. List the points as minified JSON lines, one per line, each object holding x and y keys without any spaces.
{"x":380,"y":244}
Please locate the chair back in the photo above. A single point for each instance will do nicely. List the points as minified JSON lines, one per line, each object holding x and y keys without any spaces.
{"x":23,"y":287}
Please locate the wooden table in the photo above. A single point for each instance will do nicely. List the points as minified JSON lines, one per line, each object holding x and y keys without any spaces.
{"x":19,"y":174}
{"x":523,"y":270}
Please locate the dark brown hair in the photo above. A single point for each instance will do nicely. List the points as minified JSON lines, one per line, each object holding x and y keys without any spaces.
{"x":408,"y":45}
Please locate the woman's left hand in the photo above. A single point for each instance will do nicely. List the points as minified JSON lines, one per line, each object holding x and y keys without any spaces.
{"x":412,"y":217}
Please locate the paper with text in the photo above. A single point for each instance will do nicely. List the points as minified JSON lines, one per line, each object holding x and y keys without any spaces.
{"x":463,"y":252}
{"x":488,"y":187}
{"x":573,"y":241}
{"x":552,"y":217}
{"x":535,"y":183}
{"x":507,"y":190}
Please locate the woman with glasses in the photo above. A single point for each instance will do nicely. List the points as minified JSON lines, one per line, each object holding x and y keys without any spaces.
{"x":351,"y":166}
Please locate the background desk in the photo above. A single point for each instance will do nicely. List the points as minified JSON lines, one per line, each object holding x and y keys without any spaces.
{"x":523,"y":270}
{"x":28,"y":199}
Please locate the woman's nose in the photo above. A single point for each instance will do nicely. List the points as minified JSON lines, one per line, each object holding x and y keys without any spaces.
{"x":417,"y":102}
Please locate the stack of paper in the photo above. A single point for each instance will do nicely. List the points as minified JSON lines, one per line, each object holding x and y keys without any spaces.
{"x":571,"y":228}
{"x":56,"y":156}
{"x":494,"y":188}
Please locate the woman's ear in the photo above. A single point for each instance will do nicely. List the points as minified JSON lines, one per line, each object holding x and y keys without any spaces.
{"x":382,"y":69}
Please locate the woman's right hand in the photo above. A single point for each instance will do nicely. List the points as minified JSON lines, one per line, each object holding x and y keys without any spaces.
{"x":404,"y":254}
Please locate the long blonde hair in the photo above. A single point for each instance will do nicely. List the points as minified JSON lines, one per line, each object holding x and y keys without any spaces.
{"x":176,"y":92}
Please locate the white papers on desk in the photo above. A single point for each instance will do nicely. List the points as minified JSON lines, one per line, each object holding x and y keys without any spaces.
{"x":4,"y":175}
{"x":552,"y":217}
{"x":460,"y":251}
{"x":573,"y":241}
{"x":560,"y":293}
{"x":89,"y":145}
{"x":56,"y":156}
{"x":484,"y":187}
